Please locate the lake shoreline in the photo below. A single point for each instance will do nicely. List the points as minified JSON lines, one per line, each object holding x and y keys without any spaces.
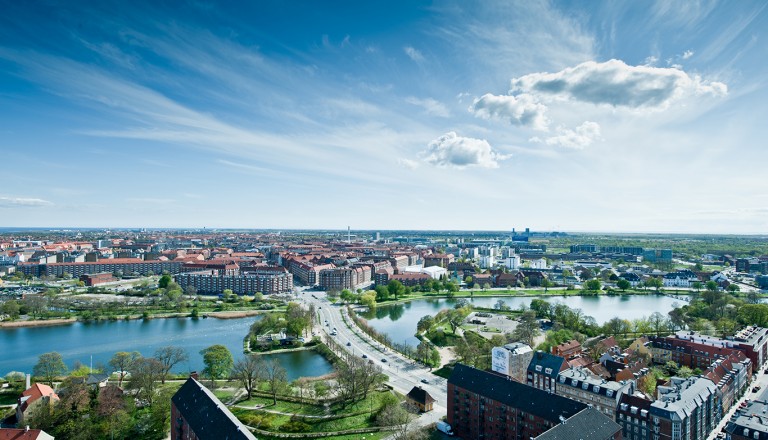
{"x":236,"y":314}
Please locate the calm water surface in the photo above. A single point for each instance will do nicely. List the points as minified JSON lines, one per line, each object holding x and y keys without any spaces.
{"x":399,"y":321}
{"x":20,"y":347}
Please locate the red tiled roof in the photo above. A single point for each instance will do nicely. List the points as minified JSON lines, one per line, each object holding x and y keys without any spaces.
{"x":37,"y":391}
{"x":21,"y":434}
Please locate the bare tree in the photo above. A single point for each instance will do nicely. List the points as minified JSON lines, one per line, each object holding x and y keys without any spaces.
{"x":145,"y":373}
{"x":276,"y":378}
{"x":169,"y":356}
{"x":249,"y":371}
{"x":121,"y":362}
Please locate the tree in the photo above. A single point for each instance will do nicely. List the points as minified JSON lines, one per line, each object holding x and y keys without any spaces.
{"x":658,"y":322}
{"x":528,"y":329}
{"x":654,"y":282}
{"x":593,"y":285}
{"x":733,"y":288}
{"x":454,"y":317}
{"x":169,"y":356}
{"x":368,"y":299}
{"x":395,"y":288}
{"x":276,"y":378}
{"x":616,"y":326}
{"x":218,"y":362}
{"x":696,"y":285}
{"x":35,"y":304}
{"x":248,"y":372}
{"x":623,"y":284}
{"x":11,"y":308}
{"x":164,"y":281}
{"x":145,"y":375}
{"x":546,"y":284}
{"x":121,"y":362}
{"x":425,"y":323}
{"x":712,"y":286}
{"x":382,"y":293}
{"x":298,"y":319}
{"x":49,"y":366}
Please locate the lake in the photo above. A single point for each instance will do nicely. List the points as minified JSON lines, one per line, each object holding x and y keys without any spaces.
{"x":399,"y":320}
{"x":79,"y":341}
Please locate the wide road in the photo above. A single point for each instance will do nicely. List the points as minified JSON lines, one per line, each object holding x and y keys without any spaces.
{"x":403,"y":373}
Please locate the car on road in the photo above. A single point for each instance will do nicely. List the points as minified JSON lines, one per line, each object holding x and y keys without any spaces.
{"x":424,"y":381}
{"x":384,"y":360}
{"x":756,"y":389}
{"x":349,"y":344}
{"x":365,"y":356}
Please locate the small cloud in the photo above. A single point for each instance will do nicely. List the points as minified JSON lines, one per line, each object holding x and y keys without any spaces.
{"x":617,"y":84}
{"x":651,"y":61}
{"x":408,"y":163}
{"x":431,"y":106}
{"x":582,"y":136}
{"x":450,"y":150}
{"x":522,"y":110}
{"x":23,"y":202}
{"x":413,"y":54}
{"x":687,"y":54}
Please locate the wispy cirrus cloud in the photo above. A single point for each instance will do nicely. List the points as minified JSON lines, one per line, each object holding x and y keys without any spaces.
{"x":413,"y":53}
{"x":578,"y":138}
{"x":431,"y":106}
{"x":23,"y":202}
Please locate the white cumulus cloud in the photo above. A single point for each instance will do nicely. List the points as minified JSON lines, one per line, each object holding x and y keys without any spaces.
{"x":617,"y":84}
{"x":522,"y":110}
{"x":451,"y":150}
{"x":17,"y":202}
{"x":578,"y":138}
{"x":687,"y":54}
{"x":431,"y":106}
{"x":413,"y":53}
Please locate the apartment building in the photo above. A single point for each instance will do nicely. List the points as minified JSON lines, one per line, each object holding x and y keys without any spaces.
{"x":543,"y":371}
{"x":490,"y":406}
{"x":267,"y":282}
{"x":113,"y":265}
{"x":582,"y":386}
{"x":686,"y":409}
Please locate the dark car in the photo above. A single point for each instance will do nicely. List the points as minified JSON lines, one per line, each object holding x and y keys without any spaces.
{"x":349,"y":344}
{"x":424,"y":381}
{"x":383,"y":360}
{"x":365,"y":356}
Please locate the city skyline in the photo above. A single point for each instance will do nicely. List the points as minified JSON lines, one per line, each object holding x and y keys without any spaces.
{"x":619,"y":117}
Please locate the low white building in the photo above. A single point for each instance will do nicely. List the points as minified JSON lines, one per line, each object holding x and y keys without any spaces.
{"x":682,"y":278}
{"x":435,"y":272}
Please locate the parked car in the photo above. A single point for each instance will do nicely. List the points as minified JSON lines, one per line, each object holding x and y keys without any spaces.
{"x":365,"y":356}
{"x":383,"y":359}
{"x":424,"y":381}
{"x":349,"y":344}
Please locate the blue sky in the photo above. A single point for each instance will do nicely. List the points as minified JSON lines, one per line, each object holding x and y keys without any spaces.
{"x":597,"y":116}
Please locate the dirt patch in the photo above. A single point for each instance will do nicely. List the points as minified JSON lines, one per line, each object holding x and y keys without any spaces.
{"x":17,"y":324}
{"x":234,"y":314}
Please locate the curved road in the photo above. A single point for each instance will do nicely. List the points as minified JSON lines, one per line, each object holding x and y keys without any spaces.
{"x":403,"y":373}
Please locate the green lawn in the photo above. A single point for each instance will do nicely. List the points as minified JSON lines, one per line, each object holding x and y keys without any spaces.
{"x":8,"y":398}
{"x":352,"y":416}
